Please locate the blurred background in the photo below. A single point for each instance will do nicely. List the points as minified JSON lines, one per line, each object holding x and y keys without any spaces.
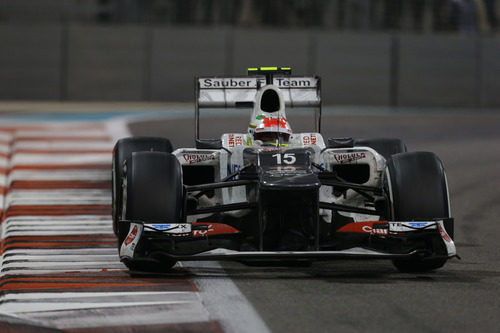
{"x":409,"y":53}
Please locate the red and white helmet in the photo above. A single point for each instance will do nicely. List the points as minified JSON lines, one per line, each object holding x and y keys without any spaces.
{"x":269,"y":123}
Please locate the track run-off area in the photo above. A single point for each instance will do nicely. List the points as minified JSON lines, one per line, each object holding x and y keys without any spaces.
{"x":60,"y":269}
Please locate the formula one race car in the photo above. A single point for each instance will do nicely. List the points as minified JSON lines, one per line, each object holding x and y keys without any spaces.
{"x":273,"y":196}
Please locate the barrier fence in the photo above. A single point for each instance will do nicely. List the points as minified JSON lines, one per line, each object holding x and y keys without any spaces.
{"x":148,"y":63}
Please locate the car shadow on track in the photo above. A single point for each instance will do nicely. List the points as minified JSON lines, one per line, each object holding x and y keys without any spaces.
{"x":348,"y":272}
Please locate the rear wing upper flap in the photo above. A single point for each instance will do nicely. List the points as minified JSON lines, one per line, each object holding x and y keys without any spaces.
{"x":229,"y":92}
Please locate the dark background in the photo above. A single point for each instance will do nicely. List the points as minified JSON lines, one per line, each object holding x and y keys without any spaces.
{"x":436,"y":53}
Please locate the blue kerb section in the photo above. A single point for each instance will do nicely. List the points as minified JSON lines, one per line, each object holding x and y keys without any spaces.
{"x":70,"y":116}
{"x":188,"y":113}
{"x":99,"y":116}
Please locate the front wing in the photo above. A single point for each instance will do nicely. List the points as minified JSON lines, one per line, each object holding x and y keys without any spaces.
{"x":215,"y":241}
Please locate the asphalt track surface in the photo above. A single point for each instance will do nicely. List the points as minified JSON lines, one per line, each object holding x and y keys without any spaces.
{"x":371,"y":296}
{"x":342,"y":296}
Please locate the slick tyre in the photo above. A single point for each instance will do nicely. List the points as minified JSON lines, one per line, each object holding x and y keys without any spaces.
{"x":154,"y":187}
{"x":153,"y":193}
{"x":384,"y":146}
{"x":123,"y":151}
{"x":417,"y":186}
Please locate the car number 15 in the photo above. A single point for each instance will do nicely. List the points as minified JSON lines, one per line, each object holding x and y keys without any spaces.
{"x":287,"y":158}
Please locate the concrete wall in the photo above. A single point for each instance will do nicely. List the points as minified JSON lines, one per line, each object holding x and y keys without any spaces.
{"x":30,"y":62}
{"x":489,"y":72}
{"x":106,"y":63}
{"x":89,"y":62}
{"x":438,"y":71}
{"x":178,"y":56}
{"x":357,"y":68}
{"x":270,"y":48}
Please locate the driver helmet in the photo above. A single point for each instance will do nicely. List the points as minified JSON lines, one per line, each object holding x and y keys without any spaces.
{"x":269,"y":123}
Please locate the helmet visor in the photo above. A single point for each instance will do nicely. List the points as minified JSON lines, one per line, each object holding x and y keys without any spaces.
{"x":273,"y":137}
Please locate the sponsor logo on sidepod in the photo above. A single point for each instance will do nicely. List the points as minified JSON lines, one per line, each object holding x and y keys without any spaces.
{"x":192,"y":158}
{"x":235,"y":140}
{"x":348,"y":157}
{"x":309,"y":140}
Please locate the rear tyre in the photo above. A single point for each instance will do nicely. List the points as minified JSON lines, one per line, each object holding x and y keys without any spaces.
{"x":384,"y":146}
{"x":416,"y":183}
{"x":123,"y":151}
{"x":154,"y":193}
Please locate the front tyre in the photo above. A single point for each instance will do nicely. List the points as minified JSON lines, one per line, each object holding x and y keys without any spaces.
{"x":122,"y":152}
{"x":418,"y":190}
{"x":153,"y":193}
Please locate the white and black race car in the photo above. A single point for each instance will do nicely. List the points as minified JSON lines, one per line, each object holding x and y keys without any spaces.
{"x":273,"y":196}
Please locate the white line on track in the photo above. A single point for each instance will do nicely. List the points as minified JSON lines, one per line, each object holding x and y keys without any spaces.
{"x":51,"y":297}
{"x":25,"y":307}
{"x":31,"y":271}
{"x":87,"y":226}
{"x":22,"y":223}
{"x":59,"y":219}
{"x":48,"y":252}
{"x":63,"y":159}
{"x":226,"y":303}
{"x":62,"y":257}
{"x":59,"y":133}
{"x":89,"y":200}
{"x":59,"y":197}
{"x":88,"y":175}
{"x":79,"y":227}
{"x":5,"y":136}
{"x":101,"y":231}
{"x":59,"y":225}
{"x":134,"y":315}
{"x":64,"y":145}
{"x":82,"y":263}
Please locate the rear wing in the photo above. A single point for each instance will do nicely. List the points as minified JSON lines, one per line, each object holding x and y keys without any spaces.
{"x":228,"y":92}
{"x":240,"y":91}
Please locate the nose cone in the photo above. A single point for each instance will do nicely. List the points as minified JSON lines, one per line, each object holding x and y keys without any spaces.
{"x":269,"y":112}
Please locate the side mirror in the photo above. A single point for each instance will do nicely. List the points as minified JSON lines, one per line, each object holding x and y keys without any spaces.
{"x":340,"y":142}
{"x":208,"y":144}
